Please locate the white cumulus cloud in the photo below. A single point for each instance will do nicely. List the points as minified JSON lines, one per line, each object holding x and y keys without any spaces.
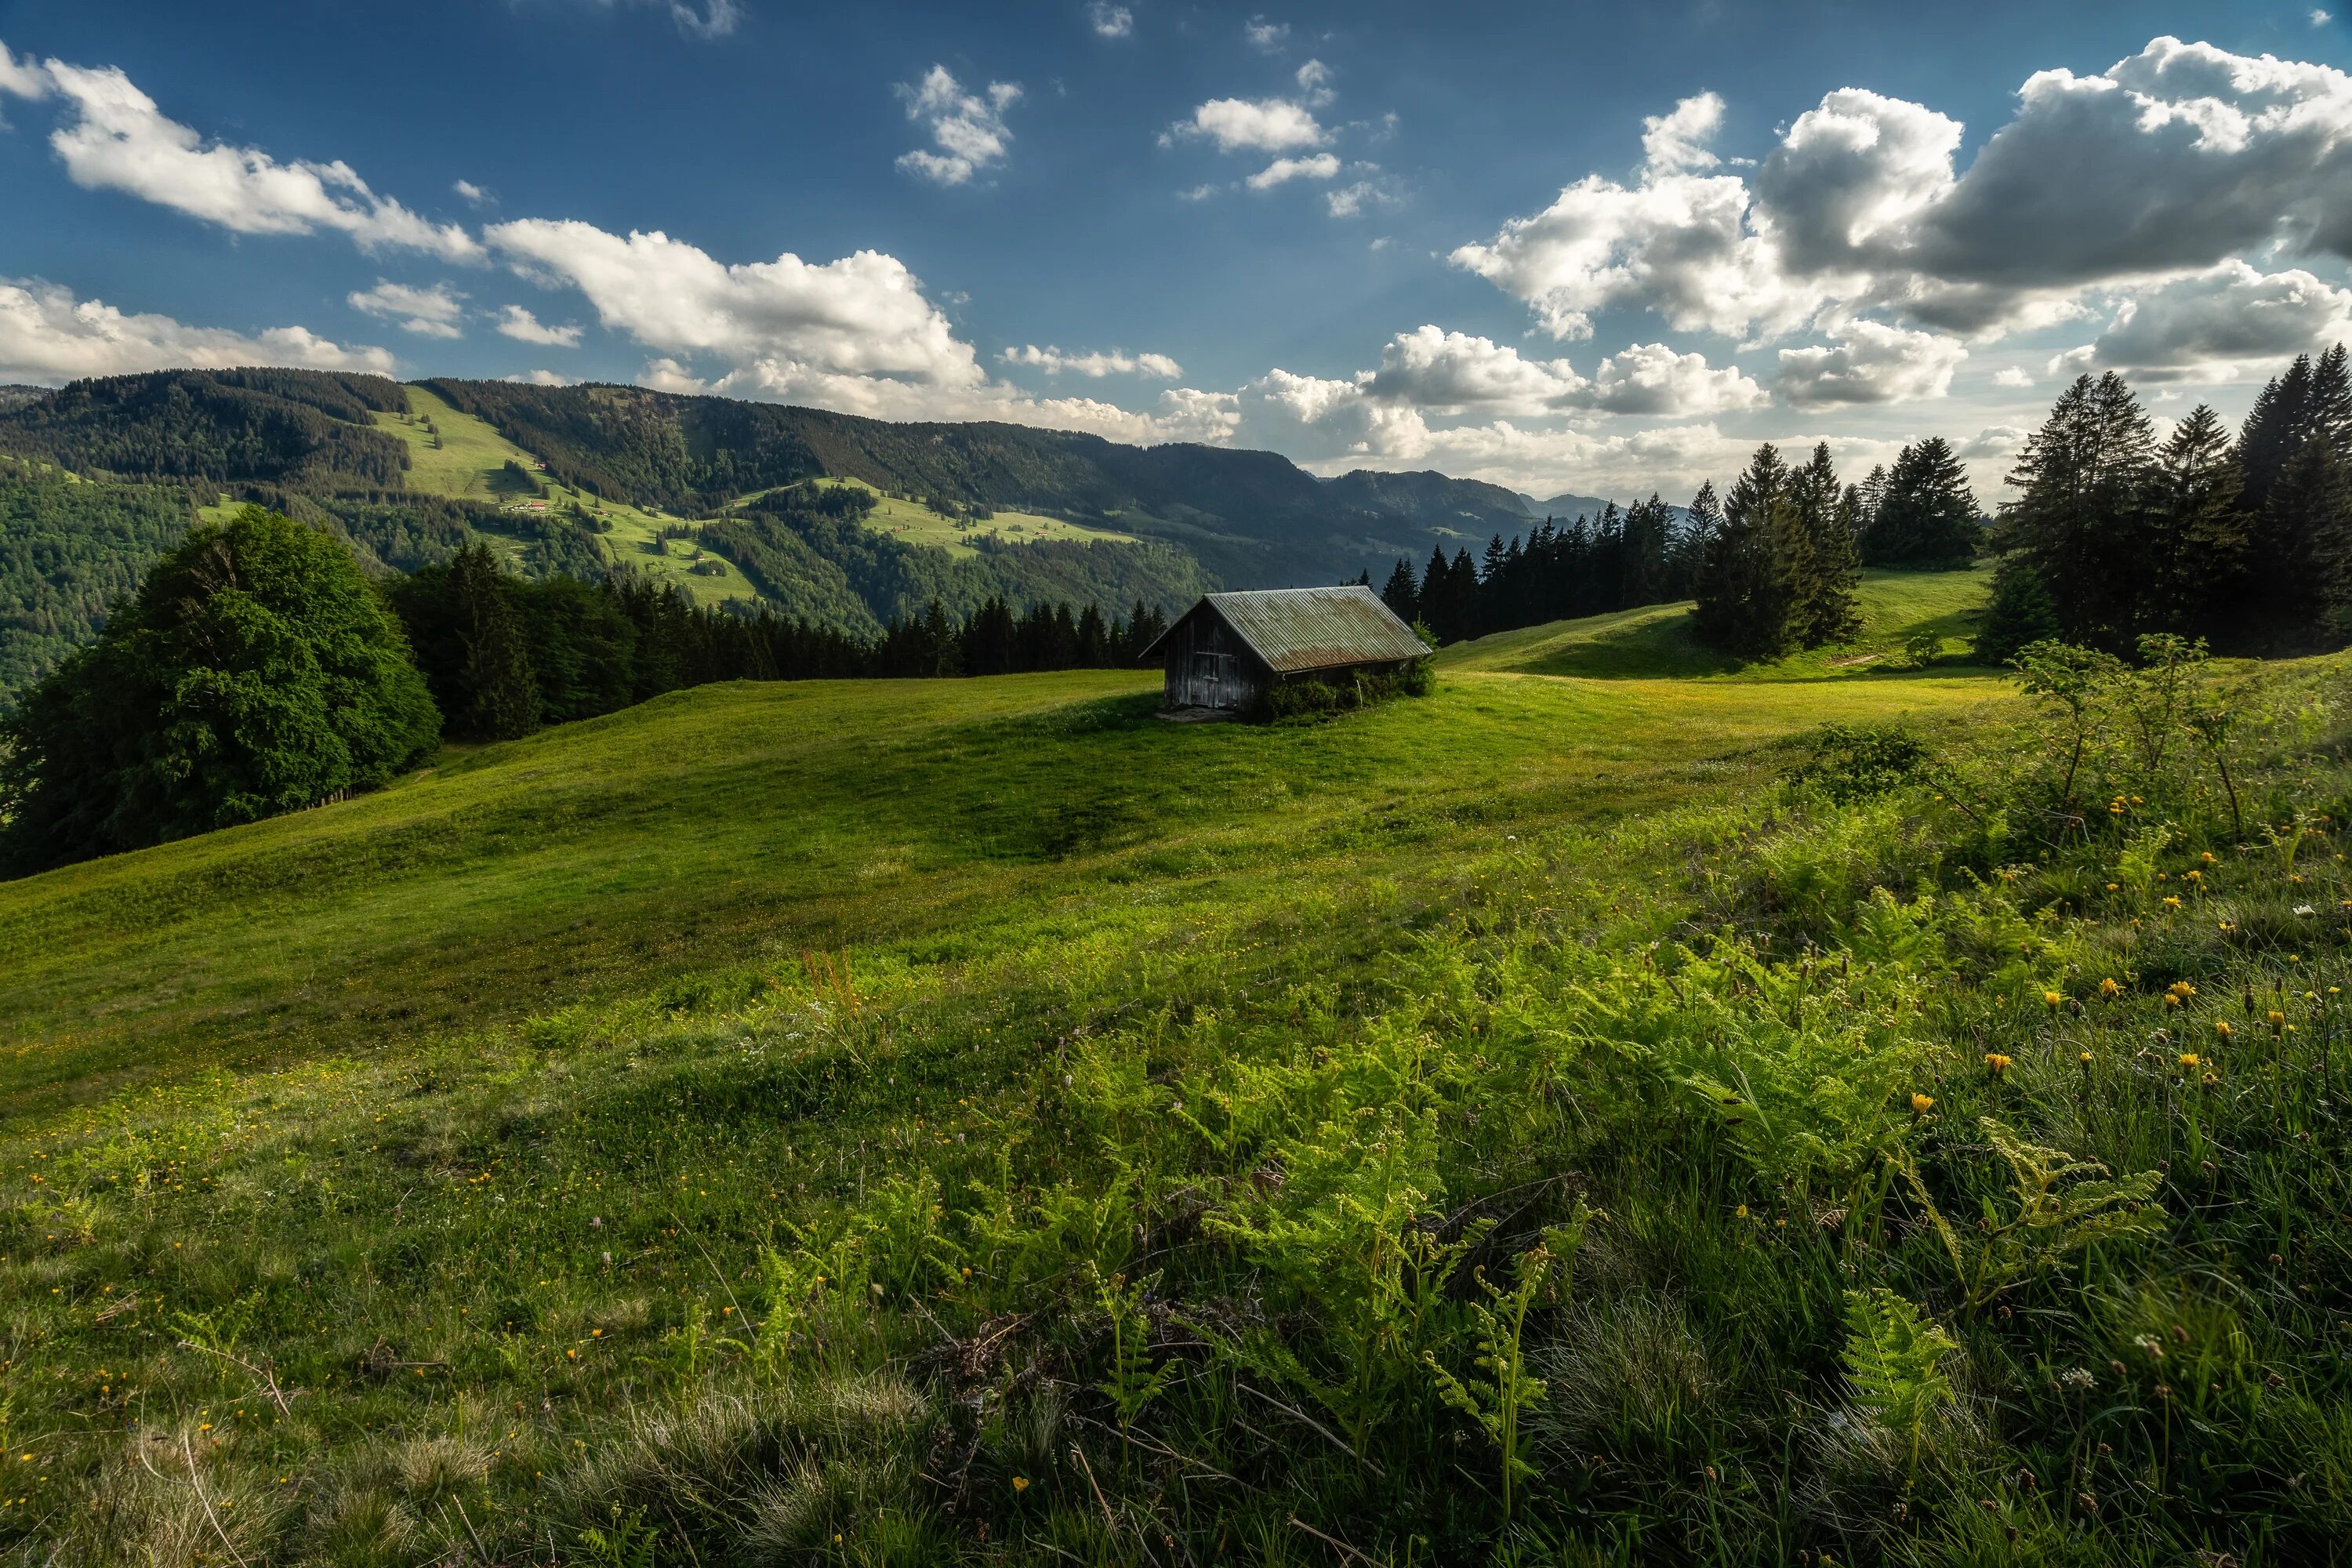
{"x":2171,"y":162}
{"x":116,"y":139}
{"x":1254,"y":125}
{"x":429,"y":312}
{"x":1109,"y":21}
{"x":1265,"y":35}
{"x":1872,"y":362}
{"x":1095,"y":365}
{"x":789,"y":327}
{"x":49,"y":336}
{"x":516,"y":322}
{"x":966,"y":128}
{"x":1677,"y":242}
{"x":1320,"y":166}
{"x":22,"y":78}
{"x":2216,"y":325}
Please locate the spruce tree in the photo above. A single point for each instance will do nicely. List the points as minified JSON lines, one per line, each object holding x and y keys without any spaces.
{"x":1743,"y":605}
{"x":1701,"y":521}
{"x":1818,"y":556}
{"x":2079,"y":519}
{"x":498,"y":694}
{"x":2292,"y":553}
{"x":2303,"y":607}
{"x":1402,"y":595}
{"x":2021,"y":613}
{"x":1925,"y":514}
{"x":2196,"y":534}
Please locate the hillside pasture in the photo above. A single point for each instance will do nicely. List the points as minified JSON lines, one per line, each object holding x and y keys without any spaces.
{"x":712,"y":826}
{"x":912,"y":522}
{"x":1657,"y":640}
{"x":470,"y":464}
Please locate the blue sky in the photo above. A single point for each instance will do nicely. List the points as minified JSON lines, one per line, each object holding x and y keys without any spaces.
{"x":1595,"y":247}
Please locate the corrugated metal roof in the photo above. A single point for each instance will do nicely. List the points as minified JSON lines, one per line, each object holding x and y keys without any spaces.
{"x":1299,"y":629}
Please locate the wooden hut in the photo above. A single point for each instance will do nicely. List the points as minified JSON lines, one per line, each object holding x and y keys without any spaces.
{"x":1226,"y":651}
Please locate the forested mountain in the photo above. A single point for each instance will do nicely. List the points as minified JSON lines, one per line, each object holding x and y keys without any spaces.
{"x":305,"y":430}
{"x":1252,"y":519}
{"x":69,"y":551}
{"x":314,"y":446}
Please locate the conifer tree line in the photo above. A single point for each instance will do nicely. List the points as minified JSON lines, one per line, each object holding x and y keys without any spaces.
{"x":1772,"y":563}
{"x":2246,"y":543}
{"x":504,"y":656}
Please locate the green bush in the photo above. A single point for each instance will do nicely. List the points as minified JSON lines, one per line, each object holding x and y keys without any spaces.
{"x":1315,"y":697}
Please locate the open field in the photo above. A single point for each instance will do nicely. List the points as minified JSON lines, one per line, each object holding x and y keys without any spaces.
{"x":927,"y":1121}
{"x":722,"y":824}
{"x":1657,"y":639}
{"x":470,"y":464}
{"x":911,"y":522}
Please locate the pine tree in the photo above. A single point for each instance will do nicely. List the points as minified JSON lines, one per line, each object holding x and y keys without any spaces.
{"x":2079,"y":519}
{"x":2302,"y":607}
{"x":1402,"y":595}
{"x":1743,"y":605}
{"x":1925,"y":514}
{"x":2021,"y":613}
{"x":2291,"y":554}
{"x":2197,"y":538}
{"x":501,"y":693}
{"x":1701,"y":521}
{"x":1818,"y":556}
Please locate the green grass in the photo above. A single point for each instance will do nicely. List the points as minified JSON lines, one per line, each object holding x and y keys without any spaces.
{"x":911,"y":522}
{"x":714,"y":824}
{"x":913,"y":1122}
{"x":1657,"y":639}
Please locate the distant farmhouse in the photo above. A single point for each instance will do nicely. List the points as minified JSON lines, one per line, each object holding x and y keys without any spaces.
{"x":1228,"y":649}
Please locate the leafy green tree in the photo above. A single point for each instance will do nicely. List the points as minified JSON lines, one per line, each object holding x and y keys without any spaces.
{"x":1924,"y":515}
{"x":257,"y":672}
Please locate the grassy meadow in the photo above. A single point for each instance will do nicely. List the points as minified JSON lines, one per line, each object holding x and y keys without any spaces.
{"x":918,"y":1121}
{"x":911,"y":522}
{"x":1657,"y":639}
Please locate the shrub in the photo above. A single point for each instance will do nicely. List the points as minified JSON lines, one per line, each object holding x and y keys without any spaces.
{"x":1315,"y":697}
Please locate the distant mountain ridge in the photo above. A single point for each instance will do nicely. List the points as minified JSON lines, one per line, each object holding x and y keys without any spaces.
{"x":316,"y":444}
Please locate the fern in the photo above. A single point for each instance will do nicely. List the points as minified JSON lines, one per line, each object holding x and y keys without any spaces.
{"x":1892,"y":1361}
{"x":2059,"y":1204}
{"x":1132,"y":1384}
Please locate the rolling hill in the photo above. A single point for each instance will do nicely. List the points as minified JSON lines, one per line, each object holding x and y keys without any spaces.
{"x":973,"y":1122}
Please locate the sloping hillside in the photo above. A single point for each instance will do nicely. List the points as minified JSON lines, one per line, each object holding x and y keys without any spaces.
{"x":1657,"y":641}
{"x":971,"y":1121}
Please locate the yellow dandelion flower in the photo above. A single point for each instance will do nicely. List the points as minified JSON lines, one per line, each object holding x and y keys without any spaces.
{"x":1020,"y":1484}
{"x":2189,"y":1060}
{"x":1922,"y":1103}
{"x":1997,"y":1062}
{"x":2051,"y":999}
{"x":2109,"y":988}
{"x":2222,"y":1027}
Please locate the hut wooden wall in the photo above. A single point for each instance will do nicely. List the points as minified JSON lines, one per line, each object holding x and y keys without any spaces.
{"x":1206,"y":666}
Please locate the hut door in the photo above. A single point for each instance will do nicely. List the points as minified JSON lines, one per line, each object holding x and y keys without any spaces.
{"x":1208,"y":678}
